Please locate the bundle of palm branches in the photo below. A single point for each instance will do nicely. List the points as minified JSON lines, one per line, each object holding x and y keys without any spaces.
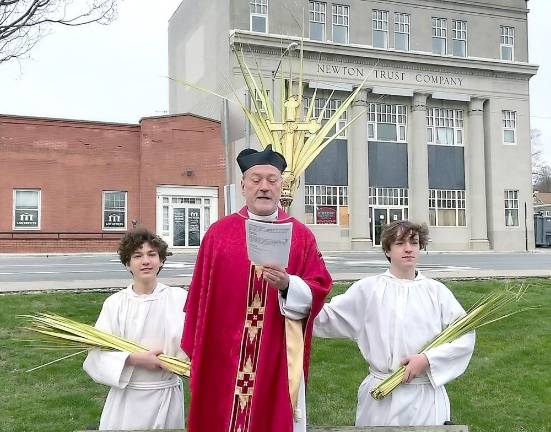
{"x":495,"y":306}
{"x":60,"y":333}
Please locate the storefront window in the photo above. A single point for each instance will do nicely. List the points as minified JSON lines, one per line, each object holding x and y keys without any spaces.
{"x":326,"y":205}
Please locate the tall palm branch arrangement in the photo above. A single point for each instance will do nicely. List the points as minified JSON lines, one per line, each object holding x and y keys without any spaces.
{"x":291,"y":129}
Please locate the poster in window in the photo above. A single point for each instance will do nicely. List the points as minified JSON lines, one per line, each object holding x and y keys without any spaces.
{"x":326,"y":215}
{"x":26,"y":218}
{"x":194,"y":226}
{"x":113,"y":219}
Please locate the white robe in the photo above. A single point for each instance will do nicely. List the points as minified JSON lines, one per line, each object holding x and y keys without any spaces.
{"x":390,"y":319}
{"x":140,"y":398}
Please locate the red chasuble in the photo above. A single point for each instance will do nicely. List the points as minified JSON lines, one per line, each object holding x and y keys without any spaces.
{"x":234,"y":332}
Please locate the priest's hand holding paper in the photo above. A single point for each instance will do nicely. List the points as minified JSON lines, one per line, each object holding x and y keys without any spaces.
{"x":147,"y":359}
{"x":276,"y":276}
{"x":415,"y":365}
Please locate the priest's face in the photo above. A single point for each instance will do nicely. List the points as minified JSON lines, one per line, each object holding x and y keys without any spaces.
{"x":261,"y":187}
{"x":144,"y":263}
{"x":404,"y":253}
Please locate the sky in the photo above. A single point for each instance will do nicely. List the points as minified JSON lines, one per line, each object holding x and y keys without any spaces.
{"x":114,"y":73}
{"x":117,"y":73}
{"x":540,"y":85}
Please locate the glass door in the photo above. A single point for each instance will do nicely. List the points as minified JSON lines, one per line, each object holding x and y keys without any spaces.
{"x":395,"y":214}
{"x":381,"y":217}
{"x":193,"y":227}
{"x":179,"y":226}
{"x":186,"y":226}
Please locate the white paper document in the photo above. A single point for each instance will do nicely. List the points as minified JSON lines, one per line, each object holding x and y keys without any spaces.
{"x":268,"y":243}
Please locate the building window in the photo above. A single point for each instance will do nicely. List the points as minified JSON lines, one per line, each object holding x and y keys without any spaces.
{"x":459,"y":36}
{"x":166,"y":218}
{"x":114,"y":210}
{"x":328,"y":108}
{"x":447,"y":207}
{"x":444,"y":126}
{"x":439,"y":35}
{"x":379,"y":196}
{"x":206,"y":212}
{"x":509,"y":127}
{"x":511,"y":208}
{"x":317,"y":20}
{"x":259,"y":16}
{"x":386,"y":122}
{"x":401,"y":31}
{"x":380,"y":29}
{"x":26,"y":209}
{"x":507,"y":44}
{"x":257,"y":102}
{"x":326,"y":204}
{"x":341,"y":15}
{"x":186,"y":200}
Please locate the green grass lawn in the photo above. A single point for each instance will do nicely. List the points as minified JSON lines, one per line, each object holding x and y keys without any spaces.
{"x":506,"y":388}
{"x":60,"y":397}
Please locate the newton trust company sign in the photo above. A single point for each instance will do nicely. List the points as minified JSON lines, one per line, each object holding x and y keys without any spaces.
{"x":386,"y":75}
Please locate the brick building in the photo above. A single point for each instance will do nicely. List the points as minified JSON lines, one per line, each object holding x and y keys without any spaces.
{"x":68,"y":185}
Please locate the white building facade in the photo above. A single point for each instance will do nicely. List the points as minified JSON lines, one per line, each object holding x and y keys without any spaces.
{"x":445,"y":135}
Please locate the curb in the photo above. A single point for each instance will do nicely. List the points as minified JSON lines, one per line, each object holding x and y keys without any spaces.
{"x":116,"y":284}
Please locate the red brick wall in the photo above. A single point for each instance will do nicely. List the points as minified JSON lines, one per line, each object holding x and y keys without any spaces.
{"x":72,"y":162}
{"x":55,"y":246}
{"x":172,"y":145}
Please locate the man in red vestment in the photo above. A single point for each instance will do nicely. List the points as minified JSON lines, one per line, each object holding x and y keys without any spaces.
{"x":237,"y":315}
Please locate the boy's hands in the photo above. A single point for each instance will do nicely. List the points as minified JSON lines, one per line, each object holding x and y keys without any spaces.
{"x":415,"y":365}
{"x":147,"y":360}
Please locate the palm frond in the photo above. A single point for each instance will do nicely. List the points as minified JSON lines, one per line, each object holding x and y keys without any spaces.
{"x":55,"y":331}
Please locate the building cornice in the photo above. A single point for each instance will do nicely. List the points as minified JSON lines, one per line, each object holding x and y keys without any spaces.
{"x":76,"y":123}
{"x":455,"y":4}
{"x":274,"y":45}
{"x":176,"y":115}
{"x":67,"y":122}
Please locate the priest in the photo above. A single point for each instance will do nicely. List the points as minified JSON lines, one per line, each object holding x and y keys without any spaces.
{"x":247,"y":328}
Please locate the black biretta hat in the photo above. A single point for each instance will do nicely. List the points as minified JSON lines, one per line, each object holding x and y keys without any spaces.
{"x":248,"y":158}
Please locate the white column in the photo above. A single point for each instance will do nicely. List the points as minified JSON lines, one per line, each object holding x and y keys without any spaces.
{"x":298,"y":209}
{"x":358,"y":176}
{"x":476,"y":193}
{"x":418,"y":161}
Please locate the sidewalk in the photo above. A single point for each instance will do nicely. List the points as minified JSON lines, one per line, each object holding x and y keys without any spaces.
{"x":373,"y":251}
{"x":114,"y":284}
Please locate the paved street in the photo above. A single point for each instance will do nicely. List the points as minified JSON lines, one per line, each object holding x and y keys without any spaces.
{"x":85,"y":271}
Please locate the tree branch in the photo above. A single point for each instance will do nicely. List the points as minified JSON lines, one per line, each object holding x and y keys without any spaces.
{"x":24,"y":22}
